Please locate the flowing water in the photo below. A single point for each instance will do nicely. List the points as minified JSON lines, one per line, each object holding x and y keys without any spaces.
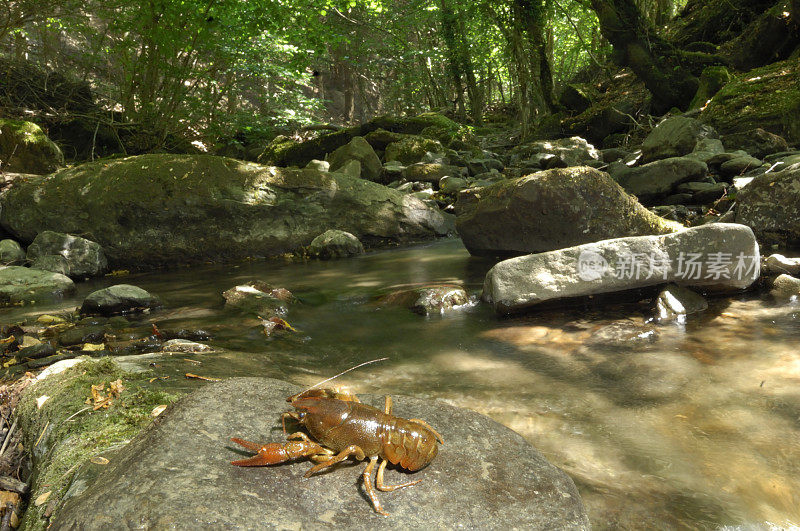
{"x":670,"y":426}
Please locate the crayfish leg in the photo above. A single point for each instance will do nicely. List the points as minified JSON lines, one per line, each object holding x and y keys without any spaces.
{"x":373,"y":497}
{"x":390,"y":488}
{"x":341,"y":456}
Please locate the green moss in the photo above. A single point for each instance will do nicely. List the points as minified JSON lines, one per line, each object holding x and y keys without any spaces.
{"x":767,"y":97}
{"x":25,"y":148}
{"x":63,"y":433}
{"x":411,"y":149}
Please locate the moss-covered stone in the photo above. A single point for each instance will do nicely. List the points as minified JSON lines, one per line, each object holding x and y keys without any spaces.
{"x":712,"y":80}
{"x":549,"y":210}
{"x":411,"y":149}
{"x":157,"y":210}
{"x":24,"y":148}
{"x":767,"y":97}
{"x":60,"y":447}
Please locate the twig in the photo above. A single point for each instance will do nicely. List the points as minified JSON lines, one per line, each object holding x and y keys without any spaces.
{"x":6,"y":524}
{"x":42,"y":434}
{"x":8,"y":438}
{"x":76,"y":414}
{"x":14,"y":485}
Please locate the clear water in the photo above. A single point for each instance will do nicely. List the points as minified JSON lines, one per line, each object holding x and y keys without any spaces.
{"x":694,"y":426}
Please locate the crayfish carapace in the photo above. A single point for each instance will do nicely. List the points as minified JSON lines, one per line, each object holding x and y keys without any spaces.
{"x":342,"y":427}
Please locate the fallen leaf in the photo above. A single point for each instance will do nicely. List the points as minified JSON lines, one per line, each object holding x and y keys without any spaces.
{"x":93,"y":347}
{"x":158,"y":410}
{"x":29,"y":341}
{"x":8,"y":497}
{"x":9,"y":363}
{"x":42,"y":498}
{"x":99,"y":460}
{"x":196,"y":362}
{"x":282,"y":324}
{"x":41,"y":400}
{"x":115,"y":388}
{"x":7,"y":340}
{"x":14,"y":523}
{"x":195,"y":376}
{"x":118,"y":273}
{"x":49,"y":319}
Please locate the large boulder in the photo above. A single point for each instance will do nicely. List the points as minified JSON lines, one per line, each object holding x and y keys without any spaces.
{"x":119,"y":299}
{"x":84,"y":257}
{"x":570,"y":151}
{"x":770,"y":205}
{"x":20,"y":285}
{"x":657,"y":179}
{"x":177,"y":474}
{"x":357,"y":149}
{"x":550,"y":210}
{"x":674,"y":137}
{"x":335,"y":244}
{"x":11,"y":253}
{"x":156,"y":210}
{"x":411,"y":149}
{"x":24,"y":148}
{"x":718,"y":256}
{"x":766,"y":98}
{"x":756,"y":142}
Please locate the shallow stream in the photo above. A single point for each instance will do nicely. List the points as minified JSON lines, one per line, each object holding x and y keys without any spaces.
{"x":669,"y":426}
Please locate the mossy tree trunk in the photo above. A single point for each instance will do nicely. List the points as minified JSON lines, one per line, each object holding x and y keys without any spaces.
{"x":535,"y":72}
{"x":654,"y":61}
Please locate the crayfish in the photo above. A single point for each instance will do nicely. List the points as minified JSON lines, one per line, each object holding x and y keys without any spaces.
{"x":342,"y":427}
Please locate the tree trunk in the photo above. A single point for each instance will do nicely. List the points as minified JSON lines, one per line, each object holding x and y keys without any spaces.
{"x":653,"y":60}
{"x":449,"y":25}
{"x":536,"y":75}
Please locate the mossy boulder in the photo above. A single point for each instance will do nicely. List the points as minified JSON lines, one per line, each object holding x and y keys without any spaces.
{"x":335,"y":244}
{"x":84,"y":258}
{"x":712,"y":80}
{"x":360,"y":151}
{"x":60,"y":449}
{"x":283,"y":151}
{"x":550,"y":210}
{"x":24,"y":148}
{"x":11,"y":253}
{"x":21,"y":285}
{"x":412,"y":149}
{"x":766,"y":97}
{"x":156,"y":210}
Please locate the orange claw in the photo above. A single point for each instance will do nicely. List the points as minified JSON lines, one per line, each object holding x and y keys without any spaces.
{"x":274,"y":453}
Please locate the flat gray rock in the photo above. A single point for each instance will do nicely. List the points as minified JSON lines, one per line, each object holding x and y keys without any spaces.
{"x":716,"y":256}
{"x":117,"y":299}
{"x":176,"y":474}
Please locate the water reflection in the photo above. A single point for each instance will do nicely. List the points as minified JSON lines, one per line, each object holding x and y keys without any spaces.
{"x":694,"y":426}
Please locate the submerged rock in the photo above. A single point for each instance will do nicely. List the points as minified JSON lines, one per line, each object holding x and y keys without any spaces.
{"x":119,"y":299}
{"x":177,"y":474}
{"x":550,"y":210}
{"x":770,"y":205}
{"x":335,"y":244}
{"x":785,"y":287}
{"x":258,"y":298}
{"x":428,"y":300}
{"x":155,"y":210}
{"x":718,"y":256}
{"x":23,"y":285}
{"x":84,"y":257}
{"x":24,"y":148}
{"x":676,"y":302}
